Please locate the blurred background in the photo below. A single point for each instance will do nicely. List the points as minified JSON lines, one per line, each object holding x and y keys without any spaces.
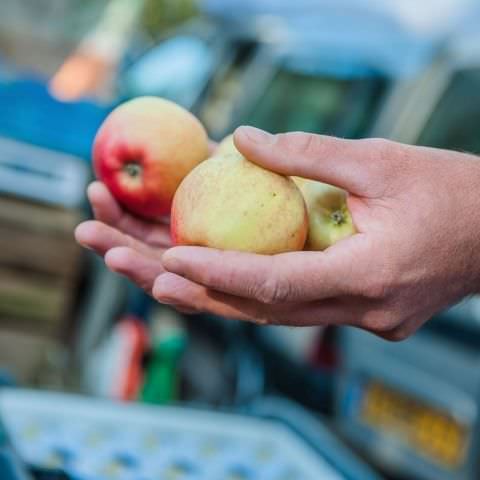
{"x":331,"y":398}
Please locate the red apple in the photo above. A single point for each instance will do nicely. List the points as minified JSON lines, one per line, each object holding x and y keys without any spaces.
{"x":144,"y":149}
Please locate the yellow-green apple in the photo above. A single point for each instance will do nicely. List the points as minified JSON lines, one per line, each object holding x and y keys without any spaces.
{"x":328,"y":214}
{"x":230,"y":203}
{"x":144,"y":149}
{"x":226,"y":146}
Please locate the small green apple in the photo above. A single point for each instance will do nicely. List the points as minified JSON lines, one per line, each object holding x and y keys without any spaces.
{"x":329,"y":218}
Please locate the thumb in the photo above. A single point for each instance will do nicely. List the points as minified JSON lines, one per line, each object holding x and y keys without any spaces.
{"x":358,"y":166}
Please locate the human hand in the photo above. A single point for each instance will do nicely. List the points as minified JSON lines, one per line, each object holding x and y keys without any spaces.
{"x":417,"y":250}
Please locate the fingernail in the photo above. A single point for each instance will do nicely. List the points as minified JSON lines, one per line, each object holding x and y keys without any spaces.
{"x":79,"y":234}
{"x":256,"y":135}
{"x":93,"y":188}
{"x":164,"y":300}
{"x":163,"y":297}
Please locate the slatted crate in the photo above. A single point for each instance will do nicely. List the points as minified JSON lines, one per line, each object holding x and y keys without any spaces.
{"x":42,"y":195}
{"x":39,"y":265}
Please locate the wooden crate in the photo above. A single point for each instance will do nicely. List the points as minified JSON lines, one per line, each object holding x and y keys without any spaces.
{"x":39,"y":265}
{"x":38,"y":238}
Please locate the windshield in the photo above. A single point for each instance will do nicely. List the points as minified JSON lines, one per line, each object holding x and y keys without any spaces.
{"x":311,"y":103}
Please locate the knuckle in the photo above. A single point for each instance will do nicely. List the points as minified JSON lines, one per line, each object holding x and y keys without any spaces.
{"x":265,"y":294}
{"x":273,"y":291}
{"x":382,"y":148}
{"x":380,"y":286}
{"x":212,"y":278}
{"x":389,"y":160}
{"x":306,"y":144}
{"x":381,"y":321}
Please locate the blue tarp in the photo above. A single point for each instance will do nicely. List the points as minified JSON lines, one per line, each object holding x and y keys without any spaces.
{"x":29,"y":113}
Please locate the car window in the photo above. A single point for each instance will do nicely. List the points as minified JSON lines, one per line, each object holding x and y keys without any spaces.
{"x":320,"y":104}
{"x":455,"y":123}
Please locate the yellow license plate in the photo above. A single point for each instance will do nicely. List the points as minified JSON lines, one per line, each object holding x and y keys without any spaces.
{"x":434,"y":434}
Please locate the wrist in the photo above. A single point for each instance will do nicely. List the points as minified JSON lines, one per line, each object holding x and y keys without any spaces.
{"x":476,"y":215}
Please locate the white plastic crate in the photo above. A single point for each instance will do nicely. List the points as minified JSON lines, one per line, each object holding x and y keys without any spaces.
{"x":92,"y":439}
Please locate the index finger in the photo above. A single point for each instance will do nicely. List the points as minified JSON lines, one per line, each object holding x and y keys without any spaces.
{"x":107,"y":210}
{"x":283,"y":278}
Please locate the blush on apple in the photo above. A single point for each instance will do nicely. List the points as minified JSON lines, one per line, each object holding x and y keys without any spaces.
{"x":329,"y":218}
{"x":144,"y":149}
{"x":230,"y":203}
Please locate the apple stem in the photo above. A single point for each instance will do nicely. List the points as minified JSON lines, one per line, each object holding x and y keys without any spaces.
{"x":134,"y":170}
{"x":338,"y":217}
